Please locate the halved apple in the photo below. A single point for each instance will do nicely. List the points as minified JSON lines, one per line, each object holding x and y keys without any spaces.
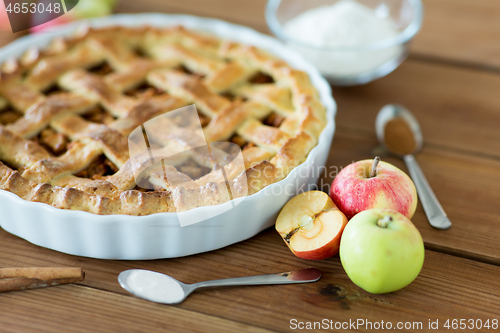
{"x":311,"y":225}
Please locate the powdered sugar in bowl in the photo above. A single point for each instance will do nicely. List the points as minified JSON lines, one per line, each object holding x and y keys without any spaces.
{"x":350,"y":41}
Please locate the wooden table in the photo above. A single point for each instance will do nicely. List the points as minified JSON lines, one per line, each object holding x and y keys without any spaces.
{"x":451,"y":82}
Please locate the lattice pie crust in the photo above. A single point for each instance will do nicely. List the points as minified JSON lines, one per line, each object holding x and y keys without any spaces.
{"x":66,"y":113}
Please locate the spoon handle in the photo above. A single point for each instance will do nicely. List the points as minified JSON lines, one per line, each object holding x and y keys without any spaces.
{"x":302,"y":276}
{"x":435,"y":213}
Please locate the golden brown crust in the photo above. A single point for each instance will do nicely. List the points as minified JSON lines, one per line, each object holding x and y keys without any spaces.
{"x":38,"y":116}
{"x":222,"y":125}
{"x":179,"y":67}
{"x":293,"y":153}
{"x":258,"y":177}
{"x":19,"y":152}
{"x":128,"y":202}
{"x":255,"y":155}
{"x":264,"y":136}
{"x":189,"y":88}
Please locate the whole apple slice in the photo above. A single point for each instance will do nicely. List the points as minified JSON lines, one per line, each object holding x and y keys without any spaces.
{"x":311,"y":225}
{"x":371,"y":184}
{"x":381,"y":251}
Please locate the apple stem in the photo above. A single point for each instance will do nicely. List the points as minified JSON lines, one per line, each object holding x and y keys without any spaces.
{"x":376,"y":160}
{"x":384,"y":223}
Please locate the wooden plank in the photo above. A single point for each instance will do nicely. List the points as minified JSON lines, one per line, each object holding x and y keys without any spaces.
{"x":466,"y":185}
{"x":461,"y":31}
{"x":450,"y":102}
{"x":450,"y":118}
{"x":250,"y":13}
{"x":448,"y":287}
{"x":6,"y":37}
{"x":453,"y":30}
{"x":457,"y":108}
{"x":452,"y":105}
{"x":75,"y":308}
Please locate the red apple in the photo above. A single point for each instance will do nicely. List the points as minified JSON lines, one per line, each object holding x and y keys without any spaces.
{"x":311,"y":225}
{"x":4,"y":18}
{"x":371,"y":184}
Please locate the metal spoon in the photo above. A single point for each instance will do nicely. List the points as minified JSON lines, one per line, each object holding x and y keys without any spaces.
{"x":161,"y":288}
{"x":435,"y":213}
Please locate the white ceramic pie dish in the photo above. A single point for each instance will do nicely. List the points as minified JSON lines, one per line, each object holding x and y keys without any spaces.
{"x":160,"y":235}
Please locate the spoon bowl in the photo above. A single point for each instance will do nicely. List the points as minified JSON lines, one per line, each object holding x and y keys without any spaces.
{"x":394,"y":111}
{"x":154,"y":286}
{"x":161,"y":288}
{"x":433,"y":210}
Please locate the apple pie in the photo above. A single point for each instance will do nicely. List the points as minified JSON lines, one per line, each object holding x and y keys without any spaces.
{"x":66,"y":113}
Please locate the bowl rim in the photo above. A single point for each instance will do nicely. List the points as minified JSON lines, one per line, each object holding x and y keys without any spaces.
{"x":404,"y":36}
{"x":16,"y":48}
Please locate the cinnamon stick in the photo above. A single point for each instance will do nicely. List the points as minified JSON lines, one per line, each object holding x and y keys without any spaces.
{"x":38,"y":277}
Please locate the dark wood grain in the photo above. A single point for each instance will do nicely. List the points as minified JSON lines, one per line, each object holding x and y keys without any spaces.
{"x":6,"y":37}
{"x":458,"y":31}
{"x":448,"y":287}
{"x":466,"y":185}
{"x":457,"y":108}
{"x":461,"y":31}
{"x":451,"y":103}
{"x":81,"y":309}
{"x":451,"y":84}
{"x":250,"y":13}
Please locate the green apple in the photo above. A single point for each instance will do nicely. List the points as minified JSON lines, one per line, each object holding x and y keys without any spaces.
{"x":83,"y":9}
{"x":381,"y":250}
{"x":92,"y":8}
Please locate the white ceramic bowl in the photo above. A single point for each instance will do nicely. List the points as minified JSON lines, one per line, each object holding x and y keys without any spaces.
{"x":160,"y":235}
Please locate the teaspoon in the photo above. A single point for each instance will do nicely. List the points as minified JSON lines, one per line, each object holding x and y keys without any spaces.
{"x":435,"y":213}
{"x":161,"y":288}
